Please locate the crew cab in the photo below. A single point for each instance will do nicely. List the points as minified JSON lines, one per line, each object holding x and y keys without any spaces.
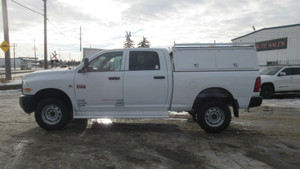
{"x":202,"y":79}
{"x":279,"y":79}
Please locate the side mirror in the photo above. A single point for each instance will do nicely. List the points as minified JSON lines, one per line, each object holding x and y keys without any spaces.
{"x":85,"y":65}
{"x":282,"y":74}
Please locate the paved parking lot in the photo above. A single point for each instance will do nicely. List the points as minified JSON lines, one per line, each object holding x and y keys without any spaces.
{"x":265,"y":137}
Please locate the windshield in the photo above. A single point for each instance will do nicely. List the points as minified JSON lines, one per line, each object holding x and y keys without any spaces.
{"x":269,"y":70}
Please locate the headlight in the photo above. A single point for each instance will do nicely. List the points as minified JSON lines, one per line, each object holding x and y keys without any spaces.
{"x":25,"y":88}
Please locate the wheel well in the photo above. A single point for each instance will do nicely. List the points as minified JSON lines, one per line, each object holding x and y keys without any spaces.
{"x":213,"y":94}
{"x":54,"y":93}
{"x":268,"y":84}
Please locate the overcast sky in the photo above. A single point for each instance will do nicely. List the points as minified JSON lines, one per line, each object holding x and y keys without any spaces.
{"x":104,"y":22}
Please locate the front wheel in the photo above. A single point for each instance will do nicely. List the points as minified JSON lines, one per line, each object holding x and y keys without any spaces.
{"x":214,"y":117}
{"x":194,"y":115}
{"x":52,"y":114}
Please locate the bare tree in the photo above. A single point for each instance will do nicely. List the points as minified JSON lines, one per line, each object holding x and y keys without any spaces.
{"x":128,"y":42}
{"x":144,"y":43}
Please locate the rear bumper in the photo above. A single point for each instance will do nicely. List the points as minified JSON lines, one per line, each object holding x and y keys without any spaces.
{"x":28,"y":103}
{"x":255,"y":101}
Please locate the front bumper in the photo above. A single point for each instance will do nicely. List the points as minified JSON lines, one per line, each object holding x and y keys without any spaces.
{"x":28,"y":103}
{"x":255,"y":101}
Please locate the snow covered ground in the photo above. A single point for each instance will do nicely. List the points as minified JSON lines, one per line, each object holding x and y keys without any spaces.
{"x":16,"y":77}
{"x":295,"y":103}
{"x":15,"y":81}
{"x":10,"y":92}
{"x":12,"y":82}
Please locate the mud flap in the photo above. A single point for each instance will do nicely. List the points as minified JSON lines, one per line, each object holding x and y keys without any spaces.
{"x":235,"y":106}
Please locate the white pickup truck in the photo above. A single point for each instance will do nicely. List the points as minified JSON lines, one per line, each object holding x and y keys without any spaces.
{"x":202,"y":79}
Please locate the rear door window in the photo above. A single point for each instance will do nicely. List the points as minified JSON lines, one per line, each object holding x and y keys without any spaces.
{"x":143,"y":60}
{"x":288,"y":71}
{"x":296,"y":71}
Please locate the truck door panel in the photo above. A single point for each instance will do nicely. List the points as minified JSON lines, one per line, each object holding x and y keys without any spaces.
{"x":285,"y":83}
{"x":146,"y":81}
{"x":100,"y":89}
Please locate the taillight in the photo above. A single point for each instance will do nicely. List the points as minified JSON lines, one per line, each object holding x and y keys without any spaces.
{"x":257,"y":84}
{"x":22,"y":87}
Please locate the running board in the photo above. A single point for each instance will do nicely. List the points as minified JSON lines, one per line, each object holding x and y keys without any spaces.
{"x":121,"y":114}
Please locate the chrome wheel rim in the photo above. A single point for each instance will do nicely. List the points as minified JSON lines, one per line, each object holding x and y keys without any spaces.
{"x":51,"y":114}
{"x":214,"y":117}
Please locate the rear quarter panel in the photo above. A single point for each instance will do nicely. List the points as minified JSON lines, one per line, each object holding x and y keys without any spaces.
{"x":187,"y":85}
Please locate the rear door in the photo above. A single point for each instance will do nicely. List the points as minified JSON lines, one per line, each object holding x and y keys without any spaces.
{"x":287,"y":82}
{"x":145,"y":81}
{"x":295,"y":78}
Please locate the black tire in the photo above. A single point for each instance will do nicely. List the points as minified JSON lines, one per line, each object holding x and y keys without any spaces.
{"x":214,"y":117}
{"x":267,"y":91}
{"x":194,"y":115}
{"x":52,"y":114}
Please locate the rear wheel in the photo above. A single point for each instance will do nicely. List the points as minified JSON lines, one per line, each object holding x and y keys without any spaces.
{"x":267,"y":91}
{"x":52,"y":114}
{"x":214,"y":117}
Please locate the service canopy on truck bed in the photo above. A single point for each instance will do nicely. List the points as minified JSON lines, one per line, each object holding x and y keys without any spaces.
{"x":204,"y":57}
{"x":202,"y":79}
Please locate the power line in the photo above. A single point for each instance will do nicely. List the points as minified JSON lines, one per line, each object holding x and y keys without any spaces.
{"x":47,"y":19}
{"x":60,"y":31}
{"x":27,"y":8}
{"x":32,"y":5}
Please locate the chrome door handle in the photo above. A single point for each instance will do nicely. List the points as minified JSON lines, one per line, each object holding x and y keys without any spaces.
{"x":159,"y":77}
{"x":114,"y":78}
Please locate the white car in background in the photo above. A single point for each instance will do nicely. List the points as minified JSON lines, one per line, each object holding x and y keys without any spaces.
{"x":279,"y":79}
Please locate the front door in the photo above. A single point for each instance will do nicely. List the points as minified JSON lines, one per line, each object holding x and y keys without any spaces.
{"x":100,"y":89}
{"x":146,"y":81}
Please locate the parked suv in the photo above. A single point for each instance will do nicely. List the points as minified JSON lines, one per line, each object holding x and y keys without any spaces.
{"x":279,"y":79}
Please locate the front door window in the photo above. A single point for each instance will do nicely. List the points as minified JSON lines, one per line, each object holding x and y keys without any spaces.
{"x":106,"y":62}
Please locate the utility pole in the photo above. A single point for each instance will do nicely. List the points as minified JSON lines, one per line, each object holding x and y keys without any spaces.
{"x":45,"y":35}
{"x":6,"y":38}
{"x":80,"y":40}
{"x":34,"y":48}
{"x":14,"y":46}
{"x":59,"y":53}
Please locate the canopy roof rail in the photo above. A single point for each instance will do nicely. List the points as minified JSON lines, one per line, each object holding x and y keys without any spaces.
{"x":204,"y":45}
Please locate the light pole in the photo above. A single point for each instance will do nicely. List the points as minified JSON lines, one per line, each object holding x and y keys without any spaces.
{"x":45,"y":35}
{"x":6,"y":38}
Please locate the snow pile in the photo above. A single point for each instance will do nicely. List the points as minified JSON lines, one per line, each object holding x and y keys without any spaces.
{"x":10,"y":92}
{"x":295,"y":103}
{"x":12,"y":82}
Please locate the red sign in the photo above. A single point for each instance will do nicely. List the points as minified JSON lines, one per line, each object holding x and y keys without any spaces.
{"x":271,"y":44}
{"x":81,"y":86}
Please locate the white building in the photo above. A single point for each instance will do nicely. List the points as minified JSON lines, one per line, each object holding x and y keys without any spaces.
{"x":13,"y":62}
{"x":23,"y":63}
{"x":275,"y":45}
